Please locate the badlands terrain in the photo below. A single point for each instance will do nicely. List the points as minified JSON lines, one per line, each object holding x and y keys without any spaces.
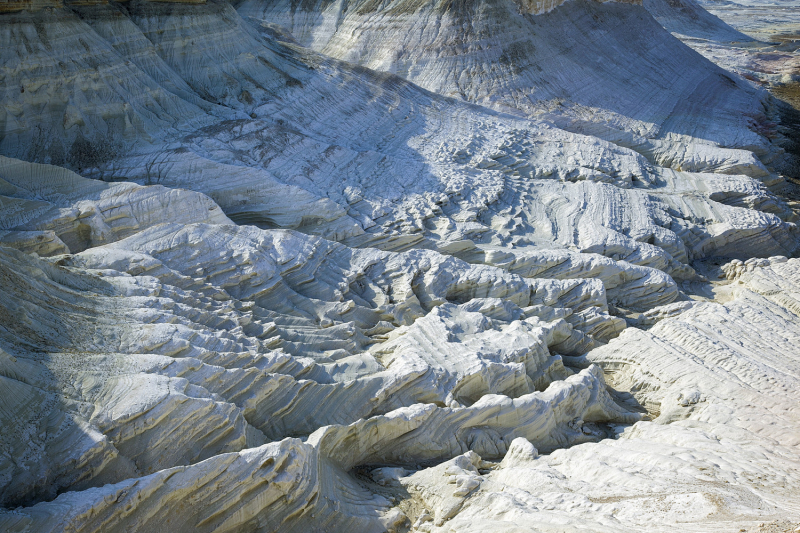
{"x":399,"y":265}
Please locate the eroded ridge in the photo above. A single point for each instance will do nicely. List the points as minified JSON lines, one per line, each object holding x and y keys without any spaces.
{"x":303,"y":295}
{"x":247,"y":335}
{"x":264,"y":131}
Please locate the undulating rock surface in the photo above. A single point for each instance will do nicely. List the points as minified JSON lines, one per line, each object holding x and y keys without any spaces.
{"x":400,"y":266}
{"x":49,"y":210}
{"x":605,"y":69}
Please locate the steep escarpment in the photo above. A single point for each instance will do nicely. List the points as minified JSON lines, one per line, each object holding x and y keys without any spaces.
{"x":765,"y":54}
{"x":607,"y":69}
{"x":248,"y":286}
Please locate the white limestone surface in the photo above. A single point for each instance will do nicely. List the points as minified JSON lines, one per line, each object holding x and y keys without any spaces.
{"x":390,"y":165}
{"x":47,"y":209}
{"x":557,"y":293}
{"x":721,"y":451}
{"x":578,"y":65}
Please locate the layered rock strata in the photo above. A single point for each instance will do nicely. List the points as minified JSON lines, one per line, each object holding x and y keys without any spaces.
{"x":578,"y":66}
{"x":303,"y":295}
{"x":700,"y":372}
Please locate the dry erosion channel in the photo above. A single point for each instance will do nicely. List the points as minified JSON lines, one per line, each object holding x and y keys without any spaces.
{"x":399,"y":265}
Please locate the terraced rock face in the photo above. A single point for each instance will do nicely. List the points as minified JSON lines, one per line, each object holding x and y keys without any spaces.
{"x":606,"y":69}
{"x":302,"y":295}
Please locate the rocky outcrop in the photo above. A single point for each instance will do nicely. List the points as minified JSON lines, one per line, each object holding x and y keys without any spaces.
{"x":703,"y":457}
{"x":49,"y":210}
{"x":243,"y":334}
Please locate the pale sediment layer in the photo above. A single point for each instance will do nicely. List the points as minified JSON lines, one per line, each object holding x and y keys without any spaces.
{"x":579,"y":65}
{"x":302,"y":295}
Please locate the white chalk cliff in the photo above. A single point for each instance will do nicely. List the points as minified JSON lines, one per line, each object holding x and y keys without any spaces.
{"x":401,"y":266}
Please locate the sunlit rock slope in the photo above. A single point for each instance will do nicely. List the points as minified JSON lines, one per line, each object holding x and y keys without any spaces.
{"x":248,"y":286}
{"x":606,"y":69}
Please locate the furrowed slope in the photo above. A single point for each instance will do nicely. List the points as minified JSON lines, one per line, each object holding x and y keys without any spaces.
{"x":390,"y":165}
{"x":303,"y":295}
{"x":606,"y":69}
